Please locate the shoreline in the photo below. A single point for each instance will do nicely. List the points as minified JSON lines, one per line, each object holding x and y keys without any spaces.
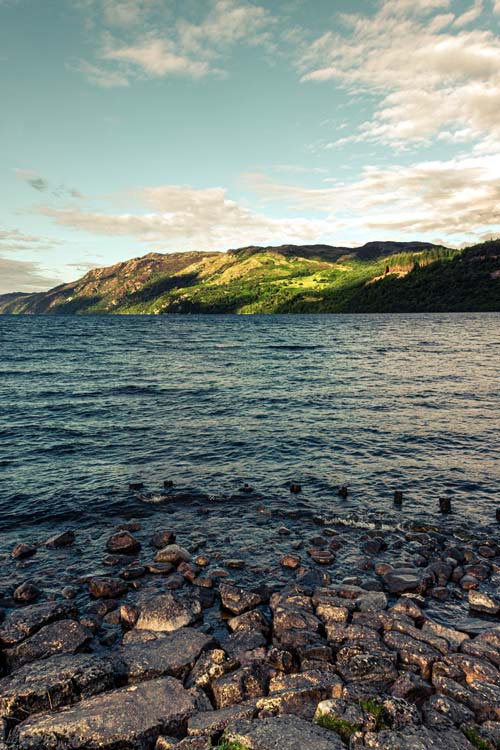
{"x":184,"y":637}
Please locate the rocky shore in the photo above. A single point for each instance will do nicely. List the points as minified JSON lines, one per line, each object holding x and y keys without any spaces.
{"x":180,"y":643}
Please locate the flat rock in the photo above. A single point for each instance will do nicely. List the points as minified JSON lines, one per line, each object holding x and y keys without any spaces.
{"x":21,"y":623}
{"x":105,"y":587}
{"x":283,"y":732}
{"x":167,"y":654}
{"x":416,"y":739}
{"x":51,"y":683}
{"x":167,"y":613}
{"x":63,"y":636}
{"x":399,"y":582}
{"x":214,"y":722}
{"x":123,"y":543}
{"x":130,"y":718}
{"x":238,"y":600}
{"x":61,"y":540}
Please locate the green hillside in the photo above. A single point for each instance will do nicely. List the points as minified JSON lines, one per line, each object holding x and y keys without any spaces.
{"x":378,"y":277}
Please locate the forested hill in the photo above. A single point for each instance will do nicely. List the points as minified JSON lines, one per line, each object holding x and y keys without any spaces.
{"x":377,"y":277}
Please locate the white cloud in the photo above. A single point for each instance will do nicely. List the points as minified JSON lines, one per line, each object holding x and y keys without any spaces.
{"x":185,"y":218}
{"x":157,"y":57}
{"x":427,"y":77}
{"x":456,"y":197}
{"x":13,"y":240}
{"x":99,"y":76}
{"x":158,"y":44}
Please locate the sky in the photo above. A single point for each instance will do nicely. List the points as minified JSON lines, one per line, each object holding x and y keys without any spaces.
{"x":137,"y":126}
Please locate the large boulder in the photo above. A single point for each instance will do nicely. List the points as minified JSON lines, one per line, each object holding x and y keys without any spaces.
{"x":63,"y":636}
{"x":129,"y":718}
{"x":167,"y":613}
{"x":283,"y":732}
{"x":161,"y":654}
{"x":51,"y":683}
{"x":21,"y":623}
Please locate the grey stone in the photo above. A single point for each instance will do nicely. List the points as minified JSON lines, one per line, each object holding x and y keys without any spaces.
{"x":63,"y":636}
{"x":163,"y":654}
{"x":21,"y":623}
{"x":51,"y":683}
{"x":130,"y":718}
{"x":416,"y":739}
{"x":283,"y":732}
{"x":167,"y":613}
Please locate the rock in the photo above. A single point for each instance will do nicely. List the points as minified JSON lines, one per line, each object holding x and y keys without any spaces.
{"x":61,"y":540}
{"x":413,"y":652}
{"x":26,"y":593}
{"x":22,"y":551}
{"x":171,"y":654}
{"x":123,"y":543}
{"x":416,"y":739}
{"x":209,"y":667}
{"x":51,"y":683}
{"x":374,"y":668}
{"x":167,"y":613}
{"x":132,"y":572}
{"x":483,"y":603}
{"x":21,"y":623}
{"x":299,"y":694}
{"x":213,"y":723}
{"x":172,"y":553}
{"x":402,"y":581}
{"x":441,"y":711}
{"x":107,"y":588}
{"x":129,"y":718}
{"x":238,"y":600}
{"x":290,"y":561}
{"x":247,"y":682}
{"x":371,"y":601}
{"x":412,"y":688}
{"x":63,"y":636}
{"x":162,"y":569}
{"x":280,"y":732}
{"x":253,"y":620}
{"x":163,"y":538}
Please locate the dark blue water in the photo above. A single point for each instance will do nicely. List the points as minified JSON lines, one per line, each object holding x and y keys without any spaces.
{"x":88,"y":404}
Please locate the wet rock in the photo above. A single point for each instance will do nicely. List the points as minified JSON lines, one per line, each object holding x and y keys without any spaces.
{"x":129,"y":718}
{"x":21,"y":623}
{"x":65,"y":539}
{"x":63,"y":636}
{"x":163,"y":538}
{"x":238,"y":600}
{"x":123,"y":543}
{"x":50,"y":683}
{"x":290,"y":561}
{"x":245,"y":683}
{"x":282,"y":732}
{"x":483,"y":603}
{"x":402,"y":581}
{"x":162,"y":569}
{"x":172,"y":553}
{"x":22,"y":551}
{"x":107,"y":588}
{"x":26,"y":593}
{"x":167,"y":613}
{"x":69,"y":592}
{"x":133,"y":572}
{"x":171,"y":654}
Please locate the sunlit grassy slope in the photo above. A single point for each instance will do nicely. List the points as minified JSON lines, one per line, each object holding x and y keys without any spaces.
{"x":380,"y":277}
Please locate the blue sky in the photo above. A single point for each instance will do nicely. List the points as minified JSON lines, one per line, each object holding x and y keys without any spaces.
{"x":131,"y":126}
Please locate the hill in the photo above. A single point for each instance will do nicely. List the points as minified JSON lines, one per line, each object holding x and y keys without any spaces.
{"x":377,"y":277}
